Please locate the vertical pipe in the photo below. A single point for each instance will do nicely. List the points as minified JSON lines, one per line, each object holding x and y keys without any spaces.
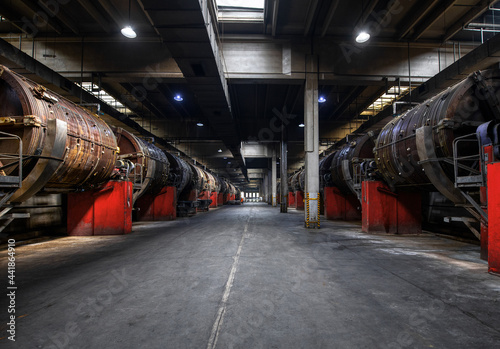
{"x":273,"y":180}
{"x":81,"y":76}
{"x":439,"y":60}
{"x":311,"y":140}
{"x":409,"y":70}
{"x":284,"y":170}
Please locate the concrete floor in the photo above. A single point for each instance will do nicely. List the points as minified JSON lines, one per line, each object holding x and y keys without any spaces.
{"x":250,"y":277}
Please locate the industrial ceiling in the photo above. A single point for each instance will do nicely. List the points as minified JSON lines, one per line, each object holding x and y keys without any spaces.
{"x":239,"y":69}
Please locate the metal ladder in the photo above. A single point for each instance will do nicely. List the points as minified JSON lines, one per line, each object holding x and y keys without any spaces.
{"x":10,"y":184}
{"x":470,"y":173}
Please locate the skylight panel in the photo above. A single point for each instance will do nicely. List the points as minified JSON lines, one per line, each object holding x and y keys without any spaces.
{"x":240,"y":10}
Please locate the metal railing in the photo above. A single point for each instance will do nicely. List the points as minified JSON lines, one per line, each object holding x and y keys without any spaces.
{"x":9,"y":184}
{"x":470,"y":170}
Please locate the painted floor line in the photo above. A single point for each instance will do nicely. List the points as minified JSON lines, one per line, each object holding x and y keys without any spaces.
{"x":212,"y":342}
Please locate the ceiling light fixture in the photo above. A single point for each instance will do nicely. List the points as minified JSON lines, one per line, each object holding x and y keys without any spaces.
{"x":178,"y":98}
{"x":200,"y":124}
{"x":127,"y":31}
{"x":362,"y":37}
{"x":321,"y":99}
{"x":219,"y":151}
{"x":302,"y":125}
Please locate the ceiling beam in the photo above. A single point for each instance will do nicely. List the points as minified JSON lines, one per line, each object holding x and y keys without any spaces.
{"x":471,"y":14}
{"x":96,"y":14}
{"x":60,"y":14}
{"x":351,"y":97}
{"x":372,"y":99}
{"x":112,"y":12}
{"x":415,"y":17}
{"x":366,"y":12}
{"x":329,"y":16}
{"x":311,"y":13}
{"x":33,"y":6}
{"x":275,"y":16}
{"x":13,"y":18}
{"x":432,"y":18}
{"x":151,"y":107}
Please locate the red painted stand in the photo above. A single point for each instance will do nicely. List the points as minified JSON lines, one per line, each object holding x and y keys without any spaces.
{"x":494,"y":218}
{"x":214,"y":197}
{"x":161,"y":207}
{"x":386,"y":212}
{"x":227,"y":197}
{"x":103,"y":211}
{"x":204,"y":195}
{"x":339,"y":206}
{"x":291,"y":199}
{"x":299,"y":200}
{"x":220,"y":199}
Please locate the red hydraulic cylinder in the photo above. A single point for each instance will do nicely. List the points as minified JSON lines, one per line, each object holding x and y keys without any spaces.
{"x":160,"y":207}
{"x":291,"y":199}
{"x":214,"y":196}
{"x":494,"y":218}
{"x":390,"y":213}
{"x":103,"y":211}
{"x":339,"y":206}
{"x":299,"y":200}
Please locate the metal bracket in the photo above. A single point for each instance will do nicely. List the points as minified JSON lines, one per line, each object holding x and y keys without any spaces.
{"x":433,"y":171}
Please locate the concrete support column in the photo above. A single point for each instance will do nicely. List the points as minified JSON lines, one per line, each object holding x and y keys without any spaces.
{"x":311,"y":144}
{"x":283,"y":175}
{"x":273,"y":180}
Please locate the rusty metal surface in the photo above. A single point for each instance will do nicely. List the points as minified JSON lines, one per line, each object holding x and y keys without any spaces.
{"x":455,"y":112}
{"x":89,"y":150}
{"x":224,"y":185}
{"x":355,"y":151}
{"x":152,"y":166}
{"x":180,"y":173}
{"x":325,"y":176}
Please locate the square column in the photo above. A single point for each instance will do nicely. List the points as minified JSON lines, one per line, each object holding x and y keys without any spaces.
{"x":311,"y":144}
{"x":274,"y":175}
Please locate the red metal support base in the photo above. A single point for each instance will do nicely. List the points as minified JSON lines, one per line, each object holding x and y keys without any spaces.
{"x":494,"y":218}
{"x":299,"y":200}
{"x":220,"y":199}
{"x":291,"y":199}
{"x":339,"y":206}
{"x":386,"y":212}
{"x":161,"y":207}
{"x":204,"y":195}
{"x":104,"y":211}
{"x":214,"y":196}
